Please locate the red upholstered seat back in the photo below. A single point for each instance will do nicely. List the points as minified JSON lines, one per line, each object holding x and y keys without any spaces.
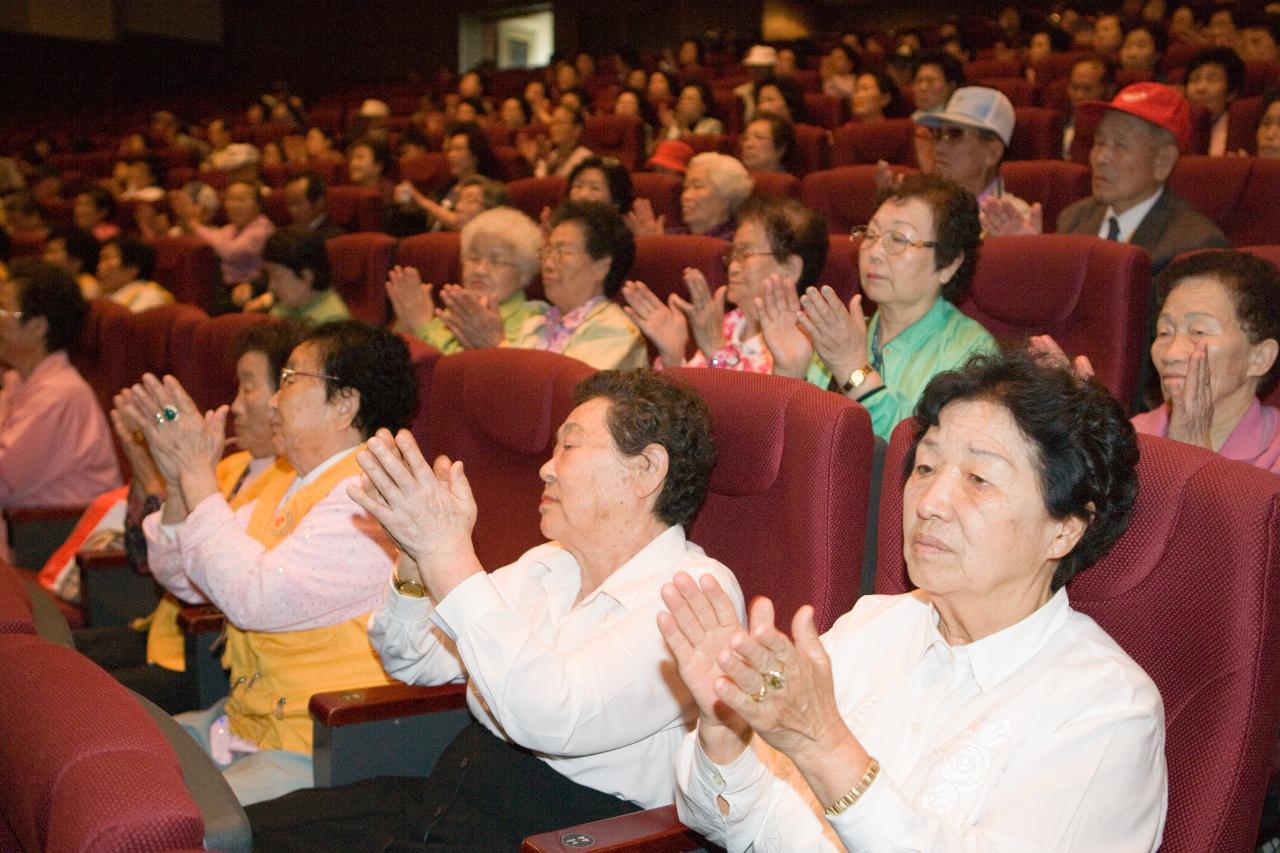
{"x":85,"y":767}
{"x":160,"y":334}
{"x":359,"y":264}
{"x":985,"y":70}
{"x":776,"y":183}
{"x":15,"y":607}
{"x":661,"y":260}
{"x":841,"y":269}
{"x":1019,"y":92}
{"x":1189,"y":592}
{"x":845,"y":195}
{"x":353,"y":208}
{"x":188,"y":267}
{"x":1037,"y":134}
{"x":1240,"y":194}
{"x":1242,"y":124}
{"x":1053,"y":183}
{"x":104,"y":355}
{"x":498,"y":411}
{"x":424,"y":357}
{"x":615,"y":136}
{"x":812,"y":152}
{"x":435,"y":255}
{"x":531,"y":195}
{"x":428,"y":172}
{"x":787,"y":507}
{"x":206,"y":364}
{"x":1089,"y":294}
{"x":663,"y":193}
{"x":891,"y":140}
{"x":825,"y":110}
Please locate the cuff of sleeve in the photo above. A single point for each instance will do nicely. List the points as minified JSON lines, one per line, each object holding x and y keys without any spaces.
{"x":466,"y":602}
{"x":405,"y":608}
{"x":880,"y":816}
{"x":204,"y":519}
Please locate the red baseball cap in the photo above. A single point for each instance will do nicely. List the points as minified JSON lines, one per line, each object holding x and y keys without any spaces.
{"x":1154,"y":102}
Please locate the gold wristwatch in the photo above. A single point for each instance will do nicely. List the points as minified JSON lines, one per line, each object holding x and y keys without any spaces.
{"x":412,"y":589}
{"x":856,"y":379}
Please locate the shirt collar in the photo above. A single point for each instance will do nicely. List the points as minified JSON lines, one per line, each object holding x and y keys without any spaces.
{"x":572,"y":320}
{"x":631,"y":582}
{"x":993,"y":659}
{"x":921,"y":330}
{"x":1131,"y":218}
{"x":1251,"y":436}
{"x":53,"y":363}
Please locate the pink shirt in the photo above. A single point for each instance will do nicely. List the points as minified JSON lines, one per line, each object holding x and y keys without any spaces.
{"x":241,"y":252}
{"x":55,"y":446}
{"x":750,"y":355}
{"x":1255,"y":440}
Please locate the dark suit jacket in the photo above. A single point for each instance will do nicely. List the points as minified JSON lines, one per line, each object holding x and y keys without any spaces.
{"x":1170,"y":228}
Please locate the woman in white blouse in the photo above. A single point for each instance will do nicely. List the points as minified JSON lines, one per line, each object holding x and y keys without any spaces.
{"x":978,"y":712}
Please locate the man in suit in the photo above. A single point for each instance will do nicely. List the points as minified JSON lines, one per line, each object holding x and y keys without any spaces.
{"x":305,"y":196}
{"x":1135,"y":146}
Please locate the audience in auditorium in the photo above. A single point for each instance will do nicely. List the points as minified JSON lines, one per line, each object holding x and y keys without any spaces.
{"x":295,"y":570}
{"x":692,"y":113}
{"x":766,"y":143}
{"x":298,"y":284}
{"x":1269,"y":127}
{"x":124,"y":275}
{"x":561,"y":149}
{"x":1092,"y":78}
{"x":469,"y":154}
{"x":238,"y":244}
{"x":305,"y":201}
{"x":715,"y":187}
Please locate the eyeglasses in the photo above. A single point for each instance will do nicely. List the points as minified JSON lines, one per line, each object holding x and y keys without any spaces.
{"x":473,"y":258}
{"x":740,"y":254}
{"x":950,"y":133}
{"x":287,"y":375}
{"x":17,"y":315}
{"x":560,"y":251}
{"x":894,"y":242}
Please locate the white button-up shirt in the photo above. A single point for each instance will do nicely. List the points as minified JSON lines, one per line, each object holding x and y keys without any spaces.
{"x":1045,"y":736}
{"x":591,"y":687}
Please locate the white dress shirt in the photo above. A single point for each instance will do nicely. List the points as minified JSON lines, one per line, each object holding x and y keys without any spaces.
{"x":591,"y":687}
{"x":1131,"y":218}
{"x":1042,"y":737}
{"x":329,"y":569}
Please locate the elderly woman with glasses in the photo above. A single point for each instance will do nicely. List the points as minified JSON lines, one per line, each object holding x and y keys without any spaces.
{"x":979,"y":711}
{"x":780,"y":243}
{"x":500,"y":257}
{"x":296,"y":567}
{"x":916,"y":259}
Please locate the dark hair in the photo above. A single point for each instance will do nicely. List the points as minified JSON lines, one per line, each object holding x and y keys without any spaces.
{"x":615,"y":174}
{"x":316,"y":184}
{"x":1107,"y":65}
{"x":476,"y":103}
{"x":952,"y":70}
{"x":154,"y":165}
{"x":792,"y":228}
{"x":955,"y":223}
{"x":487,"y":162}
{"x":136,"y":254}
{"x":791,"y":94}
{"x":782,"y":132}
{"x":606,"y":236}
{"x":887,"y":87}
{"x":299,"y":248}
{"x":80,"y":244}
{"x":525,"y":109}
{"x":1059,"y":39}
{"x":1254,"y":286}
{"x":704,"y":92}
{"x":374,"y":362}
{"x":102,"y":199}
{"x":1230,"y":61}
{"x":49,"y":291}
{"x":647,"y":114}
{"x":1158,"y":36}
{"x":1084,"y":448}
{"x":650,"y":408}
{"x":275,"y":339}
{"x":697,"y":45}
{"x":381,"y":153}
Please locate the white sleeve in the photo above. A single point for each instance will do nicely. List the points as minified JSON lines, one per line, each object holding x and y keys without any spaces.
{"x":412,"y":648}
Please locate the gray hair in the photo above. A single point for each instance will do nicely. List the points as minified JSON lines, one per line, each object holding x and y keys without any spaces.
{"x":728,"y":177}
{"x":513,"y":228}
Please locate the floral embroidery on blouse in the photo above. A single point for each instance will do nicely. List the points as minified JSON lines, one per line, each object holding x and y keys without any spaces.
{"x":559,"y":327}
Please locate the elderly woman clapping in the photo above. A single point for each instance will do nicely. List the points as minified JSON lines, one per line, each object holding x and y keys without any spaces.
{"x":577,"y":709}
{"x":715,"y":188}
{"x":979,"y":711}
{"x":499,"y":258}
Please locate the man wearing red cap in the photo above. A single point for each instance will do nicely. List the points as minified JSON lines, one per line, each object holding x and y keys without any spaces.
{"x":1134,"y":149}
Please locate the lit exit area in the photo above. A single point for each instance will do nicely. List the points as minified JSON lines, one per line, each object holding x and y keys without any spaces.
{"x":511,"y":38}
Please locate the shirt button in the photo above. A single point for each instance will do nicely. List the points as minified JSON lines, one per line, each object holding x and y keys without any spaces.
{"x":718,"y":779}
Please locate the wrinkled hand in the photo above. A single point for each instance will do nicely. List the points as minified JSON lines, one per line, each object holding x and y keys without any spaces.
{"x":698,"y":624}
{"x":838,"y":334}
{"x":705,"y":311}
{"x":662,"y":323}
{"x":1046,"y":347}
{"x":1191,"y":409}
{"x":642,"y":222}
{"x":428,"y":511}
{"x":183,"y":206}
{"x":474,"y":320}
{"x":885,"y":178}
{"x":134,"y":442}
{"x":779,"y":309}
{"x":186,"y":449}
{"x":410,"y":298}
{"x":1000,"y":217}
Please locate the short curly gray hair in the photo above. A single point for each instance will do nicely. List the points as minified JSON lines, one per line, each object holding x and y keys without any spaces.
{"x":513,"y":228}
{"x":729,"y":178}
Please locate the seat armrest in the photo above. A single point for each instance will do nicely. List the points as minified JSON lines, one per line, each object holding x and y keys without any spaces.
{"x":201,"y":627}
{"x":651,"y":831}
{"x":388,"y":730}
{"x":35,"y":532}
{"x":111,"y":591}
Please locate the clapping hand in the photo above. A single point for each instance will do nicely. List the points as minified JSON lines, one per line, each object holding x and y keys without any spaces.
{"x":185,"y":444}
{"x":705,"y":312}
{"x":474,"y":320}
{"x":410,"y":299}
{"x":642,"y":222}
{"x":779,"y":310}
{"x":839,"y":334}
{"x":662,"y":322}
{"x":1001,"y":217}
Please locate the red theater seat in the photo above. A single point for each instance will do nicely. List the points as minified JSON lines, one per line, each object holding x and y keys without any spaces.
{"x":531,"y":195}
{"x":1240,"y":194}
{"x":206,"y":363}
{"x":891,"y":140}
{"x":1037,"y":134}
{"x":354,"y":208}
{"x":826,"y":110}
{"x":662,"y":192}
{"x":616,"y":136}
{"x":1053,"y":183}
{"x":435,"y":255}
{"x":776,"y":183}
{"x":188,"y":267}
{"x":428,"y":172}
{"x":661,"y":260}
{"x":1019,"y":92}
{"x":845,"y":195}
{"x":812,"y":152}
{"x":359,"y":264}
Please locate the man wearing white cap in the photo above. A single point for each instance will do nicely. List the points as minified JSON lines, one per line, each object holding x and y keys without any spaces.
{"x":760,"y":61}
{"x":970,"y":137}
{"x":1135,"y":147}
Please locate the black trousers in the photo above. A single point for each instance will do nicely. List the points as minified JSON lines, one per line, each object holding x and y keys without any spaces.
{"x":122,"y":651}
{"x":483,"y":795}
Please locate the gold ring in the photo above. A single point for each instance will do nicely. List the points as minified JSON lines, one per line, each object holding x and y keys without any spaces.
{"x":759,"y":695}
{"x":774,"y":679}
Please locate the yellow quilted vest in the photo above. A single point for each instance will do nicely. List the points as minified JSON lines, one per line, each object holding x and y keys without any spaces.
{"x":274,"y":675}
